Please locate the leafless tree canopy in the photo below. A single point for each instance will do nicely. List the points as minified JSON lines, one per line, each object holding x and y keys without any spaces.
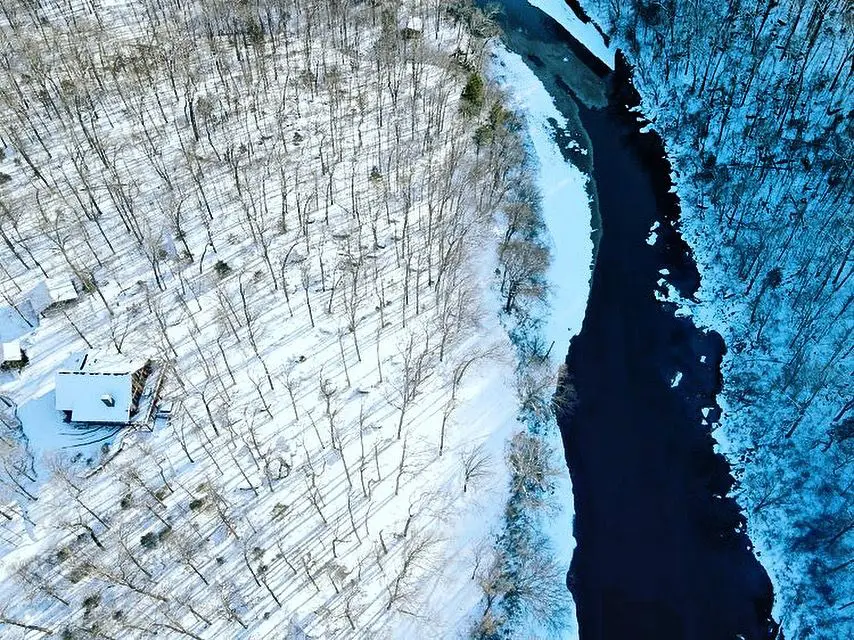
{"x":284,"y":204}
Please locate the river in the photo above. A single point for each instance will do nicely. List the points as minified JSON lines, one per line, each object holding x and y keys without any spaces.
{"x":661,"y":549}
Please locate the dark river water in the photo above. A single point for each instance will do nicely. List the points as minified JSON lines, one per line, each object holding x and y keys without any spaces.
{"x":661,"y":550}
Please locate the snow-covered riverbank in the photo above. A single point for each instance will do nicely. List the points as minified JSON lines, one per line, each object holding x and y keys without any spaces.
{"x":585,"y":32}
{"x":566,"y":211}
{"x":565,"y":204}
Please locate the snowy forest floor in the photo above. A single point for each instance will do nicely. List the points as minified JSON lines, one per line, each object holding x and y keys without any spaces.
{"x":289,"y":207}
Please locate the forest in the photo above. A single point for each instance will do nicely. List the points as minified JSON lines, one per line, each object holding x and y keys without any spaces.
{"x":317,"y":218}
{"x":753,"y":102}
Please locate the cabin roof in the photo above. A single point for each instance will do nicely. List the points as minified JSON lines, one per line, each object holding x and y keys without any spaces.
{"x":97,"y":388}
{"x":51,"y":291}
{"x":11,"y":351}
{"x":89,"y":363}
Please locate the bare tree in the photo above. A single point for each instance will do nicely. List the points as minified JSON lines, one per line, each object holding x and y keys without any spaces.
{"x":417,"y":366}
{"x":6,"y":619}
{"x":476,"y":464}
{"x":415,"y":556}
{"x":525,"y":264}
{"x":36,"y":579}
{"x":532,"y":469}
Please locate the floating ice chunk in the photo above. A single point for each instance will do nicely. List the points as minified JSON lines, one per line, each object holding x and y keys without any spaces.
{"x":653,"y":236}
{"x":676,"y":380}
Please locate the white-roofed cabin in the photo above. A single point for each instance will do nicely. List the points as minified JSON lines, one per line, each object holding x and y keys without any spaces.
{"x":412,"y":28}
{"x":51,"y":292}
{"x":11,"y":352}
{"x":101,"y":388}
{"x":12,"y":356}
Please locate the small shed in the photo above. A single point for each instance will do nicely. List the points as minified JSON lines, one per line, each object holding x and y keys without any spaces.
{"x":11,"y":352}
{"x":50,"y":292}
{"x":103,"y":389}
{"x":412,"y":27}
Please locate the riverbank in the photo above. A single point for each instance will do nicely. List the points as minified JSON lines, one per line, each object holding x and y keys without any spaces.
{"x":541,"y":333}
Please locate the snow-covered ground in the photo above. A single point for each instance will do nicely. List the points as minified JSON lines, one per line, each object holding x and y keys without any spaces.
{"x":310,"y":251}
